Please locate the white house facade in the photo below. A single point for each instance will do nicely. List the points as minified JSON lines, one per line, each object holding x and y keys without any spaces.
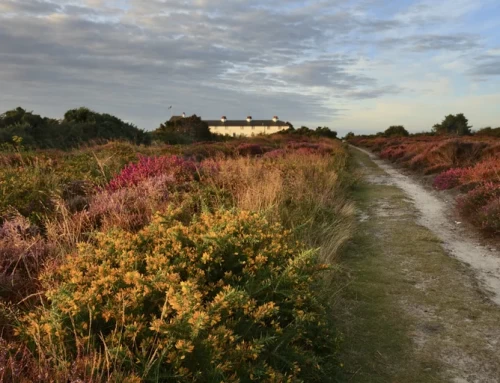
{"x":246,"y":128}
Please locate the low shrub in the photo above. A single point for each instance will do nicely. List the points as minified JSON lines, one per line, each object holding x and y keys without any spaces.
{"x":488,"y":216}
{"x":228,"y":297}
{"x":471,"y":203}
{"x":179,"y":169}
{"x":449,"y":179}
{"x":276,"y":153}
{"x":22,"y":255}
{"x":249,"y":149}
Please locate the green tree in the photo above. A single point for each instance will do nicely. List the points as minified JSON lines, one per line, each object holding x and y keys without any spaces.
{"x":395,"y":131}
{"x":183,"y":130}
{"x":454,"y":125}
{"x":326,"y":132}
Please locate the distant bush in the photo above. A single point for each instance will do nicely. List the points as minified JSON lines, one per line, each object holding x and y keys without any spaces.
{"x":488,"y":132}
{"x":183,"y":130}
{"x":453,"y":125}
{"x":396,"y":131}
{"x":227,"y":297}
{"x":249,"y":149}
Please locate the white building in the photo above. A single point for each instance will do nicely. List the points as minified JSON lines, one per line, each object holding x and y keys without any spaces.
{"x":247,"y":128}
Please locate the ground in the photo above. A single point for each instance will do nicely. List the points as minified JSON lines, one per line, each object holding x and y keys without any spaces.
{"x":411,"y":308}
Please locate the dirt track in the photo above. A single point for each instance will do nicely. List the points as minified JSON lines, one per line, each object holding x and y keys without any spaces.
{"x":484,"y":261}
{"x":420,"y":298}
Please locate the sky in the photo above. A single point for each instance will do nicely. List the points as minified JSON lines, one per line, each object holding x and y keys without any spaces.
{"x":351,"y":65}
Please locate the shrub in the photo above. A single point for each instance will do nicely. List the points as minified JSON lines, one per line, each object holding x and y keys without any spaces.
{"x":486,"y":170}
{"x":276,"y":153}
{"x":489,"y":216}
{"x":249,"y":149}
{"x":449,"y":179}
{"x":227,"y":297}
{"x":179,"y":169}
{"x":22,"y":254}
{"x":470,"y":203}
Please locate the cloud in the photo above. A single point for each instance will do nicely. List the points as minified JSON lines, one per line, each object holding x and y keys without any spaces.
{"x":486,"y":66}
{"x":304,"y":60}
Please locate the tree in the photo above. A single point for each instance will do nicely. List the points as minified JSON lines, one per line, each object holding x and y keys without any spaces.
{"x":453,"y":124}
{"x":349,"y":136}
{"x":396,"y":131}
{"x":183,"y":130}
{"x":78,"y":126}
{"x":326,"y":132}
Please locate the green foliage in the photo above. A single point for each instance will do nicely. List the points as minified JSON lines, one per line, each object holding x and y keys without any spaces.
{"x":488,"y":132}
{"x":183,"y":131}
{"x":397,"y":130}
{"x":349,"y":136}
{"x":227,"y":297}
{"x":78,"y":126}
{"x":454,"y":125}
{"x":305,"y":131}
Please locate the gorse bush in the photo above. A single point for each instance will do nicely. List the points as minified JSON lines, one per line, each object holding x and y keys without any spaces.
{"x":228,"y":297}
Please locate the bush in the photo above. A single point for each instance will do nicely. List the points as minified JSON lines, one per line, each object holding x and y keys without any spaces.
{"x":449,"y":179}
{"x":249,"y":149}
{"x":22,"y":254}
{"x":489,"y":216}
{"x":179,"y":169}
{"x":395,"y":131}
{"x":470,"y":203}
{"x":225,"y":298}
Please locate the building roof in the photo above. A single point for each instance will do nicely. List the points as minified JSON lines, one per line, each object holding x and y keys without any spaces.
{"x":245,"y":123}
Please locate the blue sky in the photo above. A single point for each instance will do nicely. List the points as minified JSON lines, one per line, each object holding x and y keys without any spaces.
{"x":359,"y":65}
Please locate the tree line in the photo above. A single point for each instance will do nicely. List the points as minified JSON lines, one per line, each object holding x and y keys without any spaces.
{"x":79,"y":126}
{"x":456,"y":125}
{"x":82,"y":125}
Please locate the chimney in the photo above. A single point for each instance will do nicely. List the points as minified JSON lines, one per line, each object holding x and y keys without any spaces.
{"x":183,"y":115}
{"x":275,"y":118}
{"x":223,"y":119}
{"x":249,"y":118}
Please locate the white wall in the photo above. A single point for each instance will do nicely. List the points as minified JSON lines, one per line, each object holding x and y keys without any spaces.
{"x":246,"y":131}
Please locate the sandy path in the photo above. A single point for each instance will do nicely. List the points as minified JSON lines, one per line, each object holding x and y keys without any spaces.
{"x":484,"y":261}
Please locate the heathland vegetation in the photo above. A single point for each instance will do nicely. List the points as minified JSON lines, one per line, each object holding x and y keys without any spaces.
{"x":454,"y":157}
{"x":135,"y":263}
{"x":83,"y":126}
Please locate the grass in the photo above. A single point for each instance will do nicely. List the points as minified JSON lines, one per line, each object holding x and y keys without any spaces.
{"x":410,"y":312}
